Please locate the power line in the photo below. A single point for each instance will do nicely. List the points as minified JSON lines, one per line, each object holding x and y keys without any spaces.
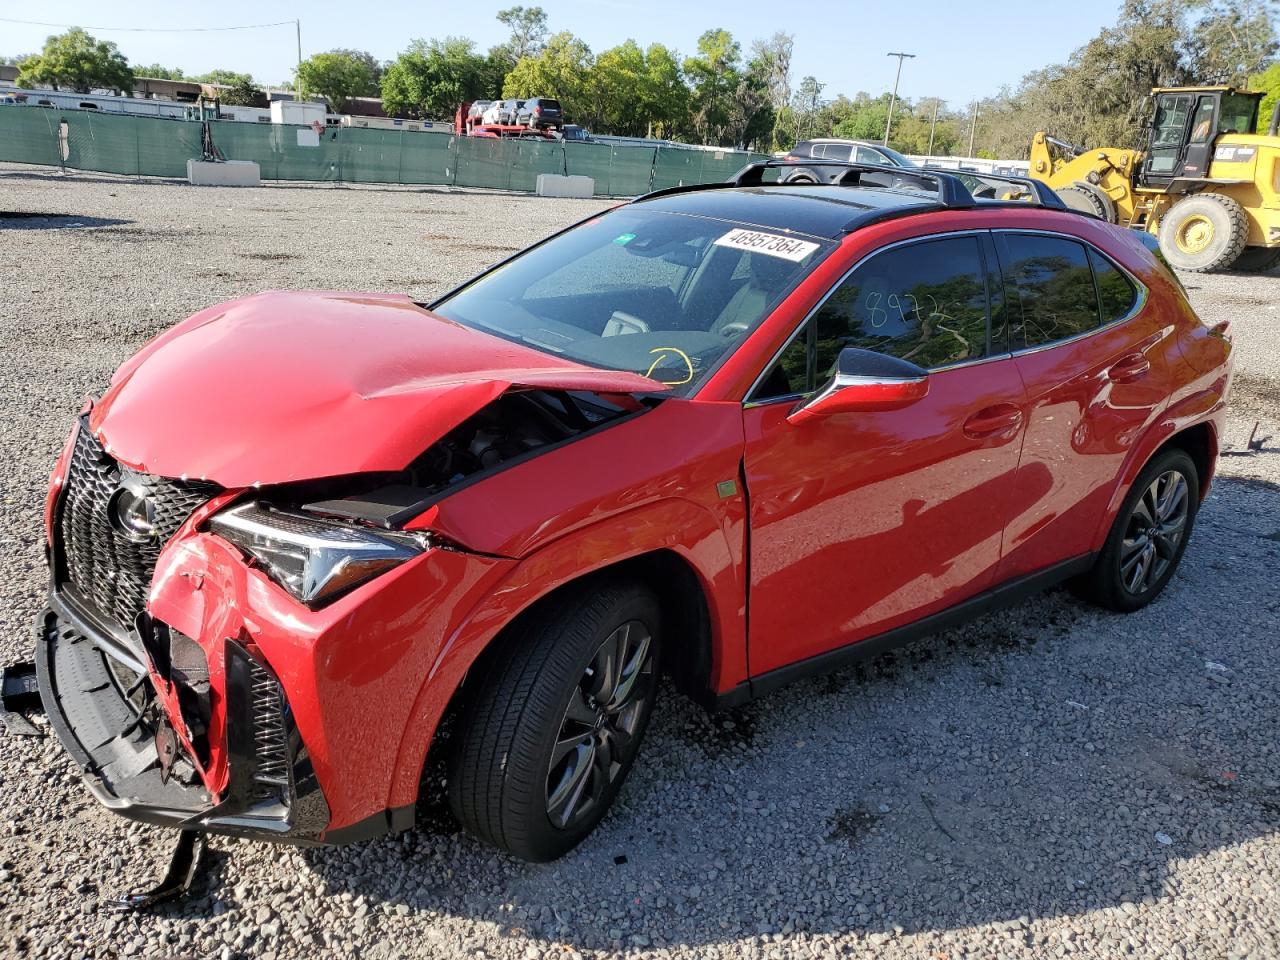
{"x":68,"y":26}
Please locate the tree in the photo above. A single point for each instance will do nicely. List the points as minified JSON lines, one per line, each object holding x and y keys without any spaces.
{"x":337,"y":77}
{"x":368,"y":59}
{"x":806,"y":107}
{"x":226,"y":78}
{"x":434,"y":77}
{"x":664,"y":94}
{"x":156,"y":72}
{"x":528,"y":26}
{"x":564,"y":69}
{"x":714,"y":76}
{"x":1269,"y":83}
{"x":771,"y":63}
{"x":78,"y":62}
{"x":243,"y":93}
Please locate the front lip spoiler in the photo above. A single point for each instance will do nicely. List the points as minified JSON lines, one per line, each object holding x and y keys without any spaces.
{"x":90,"y":713}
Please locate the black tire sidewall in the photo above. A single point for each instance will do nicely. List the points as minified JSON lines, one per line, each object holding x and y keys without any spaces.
{"x":1230,"y":232}
{"x":564,"y":637}
{"x":1109,"y":585}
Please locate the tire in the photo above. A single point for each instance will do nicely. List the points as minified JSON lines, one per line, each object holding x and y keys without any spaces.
{"x":1257,"y":259}
{"x":801,"y":178}
{"x":536,"y":721}
{"x":1204,"y":233}
{"x":1111,"y":583}
{"x":1088,"y":199}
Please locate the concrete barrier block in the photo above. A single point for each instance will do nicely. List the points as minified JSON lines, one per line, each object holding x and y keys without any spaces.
{"x":224,"y":173}
{"x":555,"y":185}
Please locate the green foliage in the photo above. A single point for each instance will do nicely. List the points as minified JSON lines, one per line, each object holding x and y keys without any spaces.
{"x":564,"y":69}
{"x":155,"y":71}
{"x":528,"y":26}
{"x":714,"y":76}
{"x":433,"y":78}
{"x":228,"y":78}
{"x":337,"y":77}
{"x":243,"y":93}
{"x":1099,"y":97}
{"x":78,"y":62}
{"x":1269,"y":83}
{"x":638,"y":92}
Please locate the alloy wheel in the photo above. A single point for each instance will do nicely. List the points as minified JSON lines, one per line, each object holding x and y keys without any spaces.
{"x":598,"y":732}
{"x":1154,"y":531}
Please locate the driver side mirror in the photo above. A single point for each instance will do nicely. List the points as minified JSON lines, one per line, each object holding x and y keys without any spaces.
{"x":865,"y":382}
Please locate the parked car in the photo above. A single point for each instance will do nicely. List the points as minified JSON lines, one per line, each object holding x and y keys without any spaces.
{"x":736,"y":433}
{"x":850,"y":151}
{"x":475,"y":112}
{"x":502,"y":112}
{"x":540,"y":113}
{"x":571,"y":131}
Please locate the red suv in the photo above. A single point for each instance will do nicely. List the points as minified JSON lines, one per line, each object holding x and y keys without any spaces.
{"x":736,"y":434}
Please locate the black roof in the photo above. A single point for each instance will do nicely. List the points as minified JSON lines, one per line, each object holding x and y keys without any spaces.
{"x":826,"y":211}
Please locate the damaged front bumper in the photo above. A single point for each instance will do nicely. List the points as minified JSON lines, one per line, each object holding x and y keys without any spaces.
{"x":102,"y":704}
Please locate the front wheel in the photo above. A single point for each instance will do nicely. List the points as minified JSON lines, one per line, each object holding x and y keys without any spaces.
{"x":545,"y":743}
{"x":1204,"y":233}
{"x":1148,"y":537}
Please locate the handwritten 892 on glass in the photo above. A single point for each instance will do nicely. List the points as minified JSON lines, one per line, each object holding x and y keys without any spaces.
{"x":736,"y":434}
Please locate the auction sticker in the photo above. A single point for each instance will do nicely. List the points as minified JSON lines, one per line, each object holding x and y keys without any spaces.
{"x":788,"y":248}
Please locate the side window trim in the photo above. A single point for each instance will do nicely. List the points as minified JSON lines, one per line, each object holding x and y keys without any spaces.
{"x":810,"y":330}
{"x":1140,"y":288}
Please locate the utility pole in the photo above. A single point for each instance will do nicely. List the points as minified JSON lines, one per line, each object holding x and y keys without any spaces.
{"x":297,"y":77}
{"x":933,"y":125}
{"x":894,"y":99}
{"x":973,"y":127}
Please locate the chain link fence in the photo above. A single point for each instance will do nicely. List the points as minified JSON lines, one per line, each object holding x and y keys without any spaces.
{"x":160,"y":147}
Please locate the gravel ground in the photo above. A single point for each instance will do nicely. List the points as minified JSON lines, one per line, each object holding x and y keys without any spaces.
{"x":1045,"y":782}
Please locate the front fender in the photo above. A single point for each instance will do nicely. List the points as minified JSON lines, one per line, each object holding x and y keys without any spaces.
{"x":711,"y":545}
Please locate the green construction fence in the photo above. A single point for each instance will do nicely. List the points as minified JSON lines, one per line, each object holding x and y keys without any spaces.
{"x":161,"y":147}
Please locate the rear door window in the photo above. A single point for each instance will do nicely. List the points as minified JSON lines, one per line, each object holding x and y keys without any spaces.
{"x":1051,"y":283}
{"x":1117,"y":295}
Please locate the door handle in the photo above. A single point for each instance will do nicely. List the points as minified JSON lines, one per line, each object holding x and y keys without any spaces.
{"x":989,"y":421}
{"x":1129,"y":368}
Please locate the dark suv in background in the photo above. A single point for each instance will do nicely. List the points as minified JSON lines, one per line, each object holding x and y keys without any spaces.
{"x":540,"y":113}
{"x":855,"y":151}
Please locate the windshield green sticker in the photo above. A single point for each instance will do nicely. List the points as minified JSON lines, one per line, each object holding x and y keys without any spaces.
{"x":623,"y":239}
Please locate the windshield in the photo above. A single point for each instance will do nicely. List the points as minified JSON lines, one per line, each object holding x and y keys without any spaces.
{"x":661,"y":294}
{"x":898,"y":158}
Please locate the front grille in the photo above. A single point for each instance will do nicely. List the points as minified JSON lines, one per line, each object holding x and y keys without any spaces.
{"x":107,"y":568}
{"x":271,"y":739}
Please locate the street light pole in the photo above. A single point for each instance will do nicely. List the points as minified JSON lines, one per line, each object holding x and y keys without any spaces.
{"x":894,"y":99}
{"x":933,"y":125}
{"x":298,"y":76}
{"x":973,"y":127}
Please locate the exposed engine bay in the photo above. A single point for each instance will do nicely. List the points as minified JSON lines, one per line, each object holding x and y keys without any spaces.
{"x":512,"y":426}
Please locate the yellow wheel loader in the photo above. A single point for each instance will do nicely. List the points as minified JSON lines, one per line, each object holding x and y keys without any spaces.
{"x":1207,"y":185}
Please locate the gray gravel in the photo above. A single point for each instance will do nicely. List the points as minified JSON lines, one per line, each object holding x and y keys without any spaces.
{"x":1049,"y":781}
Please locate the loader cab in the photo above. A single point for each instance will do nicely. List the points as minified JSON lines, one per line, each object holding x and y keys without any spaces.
{"x":1187,"y":122}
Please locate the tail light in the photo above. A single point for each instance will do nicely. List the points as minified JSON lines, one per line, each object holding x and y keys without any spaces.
{"x":537,"y":110}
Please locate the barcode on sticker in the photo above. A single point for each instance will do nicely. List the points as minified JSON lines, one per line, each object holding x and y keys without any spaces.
{"x":788,"y":248}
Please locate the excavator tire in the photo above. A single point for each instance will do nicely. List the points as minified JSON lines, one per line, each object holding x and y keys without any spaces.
{"x":1088,"y":199}
{"x":1257,"y":259}
{"x":1204,"y":233}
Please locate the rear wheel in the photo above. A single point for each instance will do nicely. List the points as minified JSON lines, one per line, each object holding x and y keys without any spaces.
{"x":548,"y":739}
{"x":1204,"y":233}
{"x":1149,"y":535}
{"x":1088,"y":199}
{"x":1257,"y":259}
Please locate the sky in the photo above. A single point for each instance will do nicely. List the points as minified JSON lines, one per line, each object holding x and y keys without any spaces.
{"x":963,"y":51}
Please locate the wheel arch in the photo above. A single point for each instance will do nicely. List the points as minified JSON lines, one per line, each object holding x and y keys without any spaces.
{"x":695,"y":574}
{"x":1198,"y":439}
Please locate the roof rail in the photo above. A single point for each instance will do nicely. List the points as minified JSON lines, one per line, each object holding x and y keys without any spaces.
{"x":950,"y":189}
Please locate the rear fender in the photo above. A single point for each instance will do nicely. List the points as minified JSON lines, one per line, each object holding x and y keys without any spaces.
{"x":680,"y":526}
{"x":1203,"y":406}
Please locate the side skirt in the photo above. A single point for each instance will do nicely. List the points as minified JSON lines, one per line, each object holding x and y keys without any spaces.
{"x":1007,"y":594}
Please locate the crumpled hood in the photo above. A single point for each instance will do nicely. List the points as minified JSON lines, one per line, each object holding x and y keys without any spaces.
{"x":291,"y":386}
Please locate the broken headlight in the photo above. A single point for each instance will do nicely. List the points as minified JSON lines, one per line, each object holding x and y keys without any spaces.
{"x":314,"y":559}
